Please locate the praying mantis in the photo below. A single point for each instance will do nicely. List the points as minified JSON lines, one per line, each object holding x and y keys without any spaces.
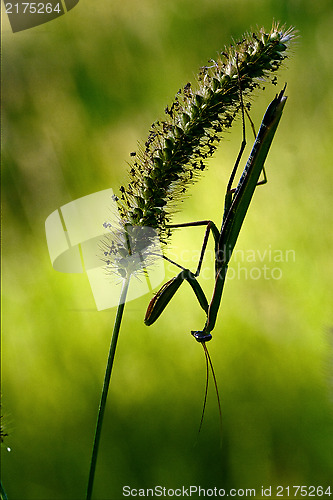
{"x":236,"y":204}
{"x":158,"y":155}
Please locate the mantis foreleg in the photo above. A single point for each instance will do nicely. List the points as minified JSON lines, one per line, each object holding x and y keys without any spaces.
{"x":167,"y":291}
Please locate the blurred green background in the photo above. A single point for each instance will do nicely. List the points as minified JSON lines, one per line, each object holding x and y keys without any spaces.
{"x":78,"y":93}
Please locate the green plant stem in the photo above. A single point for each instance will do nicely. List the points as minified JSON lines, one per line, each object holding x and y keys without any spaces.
{"x":3,"y":495}
{"x":106,"y":384}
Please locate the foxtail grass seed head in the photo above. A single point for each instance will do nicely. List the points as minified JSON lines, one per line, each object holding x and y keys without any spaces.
{"x":177,"y":147}
{"x":3,"y":433}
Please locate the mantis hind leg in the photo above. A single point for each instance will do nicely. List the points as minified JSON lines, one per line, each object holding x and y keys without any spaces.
{"x":264,"y":180}
{"x":210,"y":228}
{"x":230,"y":190}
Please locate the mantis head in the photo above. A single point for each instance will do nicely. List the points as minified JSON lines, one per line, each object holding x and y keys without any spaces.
{"x":201,"y":336}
